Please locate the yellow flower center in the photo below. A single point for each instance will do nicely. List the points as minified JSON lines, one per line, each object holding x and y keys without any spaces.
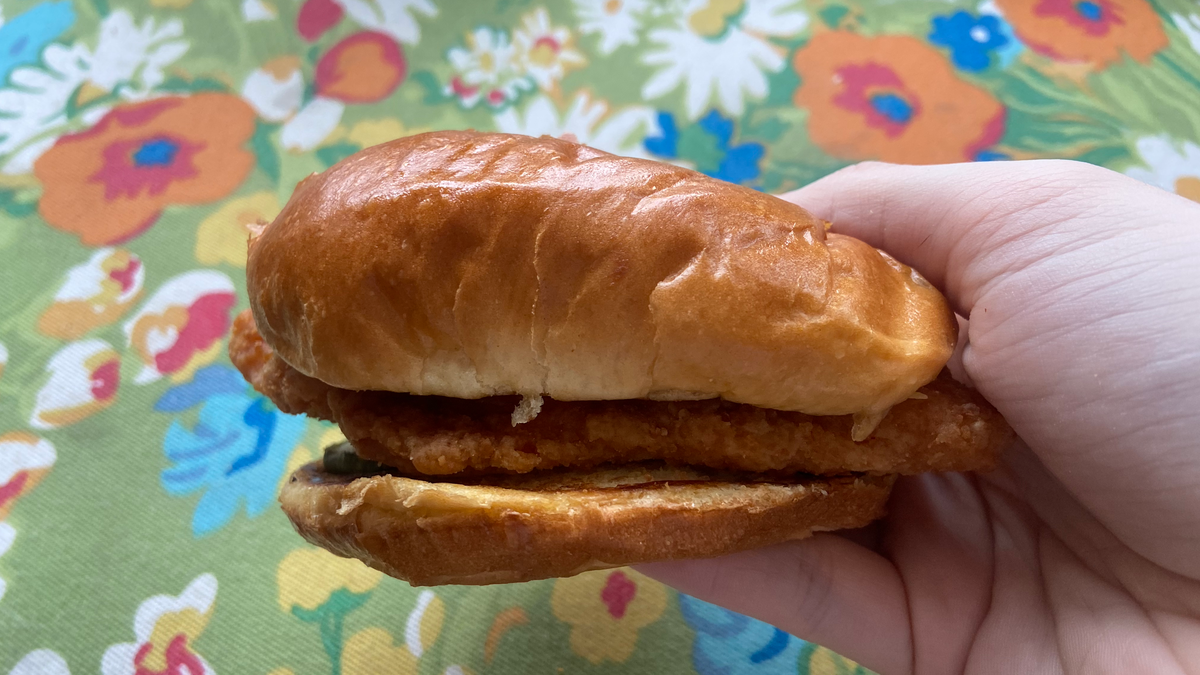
{"x":88,"y":92}
{"x":282,"y":67}
{"x":712,"y":20}
{"x":1188,"y":186}
{"x":612,"y":6}
{"x":487,"y":62}
{"x":544,"y":52}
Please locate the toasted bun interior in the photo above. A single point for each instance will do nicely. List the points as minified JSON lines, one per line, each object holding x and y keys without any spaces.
{"x":468,"y":265}
{"x":555,"y":524}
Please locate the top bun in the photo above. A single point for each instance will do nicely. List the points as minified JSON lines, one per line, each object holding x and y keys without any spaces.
{"x":469,"y":264}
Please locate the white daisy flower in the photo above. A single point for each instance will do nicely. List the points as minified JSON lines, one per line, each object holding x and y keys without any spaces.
{"x":1172,"y":166}
{"x":587,"y":121}
{"x":1190,"y":26}
{"x":485,"y":70}
{"x":38,"y":661}
{"x":134,"y":56}
{"x":34,"y":103}
{"x":615,"y":20}
{"x":275,"y":89}
{"x":258,"y":10}
{"x":543,"y":51}
{"x":396,"y":18}
{"x":720,"y":47}
{"x":312,"y":124}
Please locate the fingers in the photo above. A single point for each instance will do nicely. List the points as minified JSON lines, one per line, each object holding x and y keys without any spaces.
{"x":825,"y":589}
{"x":940,"y":541}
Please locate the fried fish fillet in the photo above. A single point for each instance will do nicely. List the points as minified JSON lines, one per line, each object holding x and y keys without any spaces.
{"x":951,"y":429}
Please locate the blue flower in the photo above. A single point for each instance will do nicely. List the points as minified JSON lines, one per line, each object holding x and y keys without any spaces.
{"x":991,"y":156}
{"x":24,"y":36}
{"x":235,"y":452}
{"x":972,"y":40}
{"x":728,"y":643}
{"x":706,"y":144}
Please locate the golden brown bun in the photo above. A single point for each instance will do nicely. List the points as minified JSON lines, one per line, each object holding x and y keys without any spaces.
{"x":951,"y":428}
{"x":553,"y":524}
{"x":467,"y":265}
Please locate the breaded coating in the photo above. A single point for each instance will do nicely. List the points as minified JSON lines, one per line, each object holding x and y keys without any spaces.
{"x":951,"y":429}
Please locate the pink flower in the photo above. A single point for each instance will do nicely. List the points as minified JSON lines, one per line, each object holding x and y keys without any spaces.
{"x":316,"y":17}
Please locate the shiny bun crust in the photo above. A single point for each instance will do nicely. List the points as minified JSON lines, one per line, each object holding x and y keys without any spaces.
{"x":467,"y":265}
{"x":547,"y":525}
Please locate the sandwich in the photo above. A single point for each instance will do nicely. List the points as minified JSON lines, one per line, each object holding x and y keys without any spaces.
{"x":548,"y":359}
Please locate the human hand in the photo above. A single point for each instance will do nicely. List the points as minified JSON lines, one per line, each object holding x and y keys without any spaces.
{"x":1081,"y":553}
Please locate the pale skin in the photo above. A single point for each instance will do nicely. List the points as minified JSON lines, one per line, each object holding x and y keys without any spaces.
{"x":1081,"y":553}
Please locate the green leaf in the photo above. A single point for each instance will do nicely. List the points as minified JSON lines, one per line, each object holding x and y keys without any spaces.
{"x":785,"y":177}
{"x":74,"y":107}
{"x":1048,"y":118}
{"x":343,"y":601}
{"x":1162,"y":97}
{"x":179,"y":85}
{"x":208,"y":84}
{"x":433,"y":89}
{"x":174,"y":84}
{"x":832,"y":15}
{"x":1110,"y":156}
{"x":101,"y":7}
{"x":332,"y":154}
{"x":331,"y":639}
{"x":16,"y":207}
{"x":782,"y":85}
{"x":308,"y":615}
{"x":768,"y":130}
{"x":700,"y":147}
{"x":331,"y":617}
{"x":1166,"y":8}
{"x":265,"y":151}
{"x":792,"y":160}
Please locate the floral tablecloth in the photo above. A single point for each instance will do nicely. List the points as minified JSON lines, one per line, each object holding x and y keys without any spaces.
{"x":138,"y":472}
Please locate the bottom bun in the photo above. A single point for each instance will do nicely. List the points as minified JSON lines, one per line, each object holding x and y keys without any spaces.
{"x":506,"y":529}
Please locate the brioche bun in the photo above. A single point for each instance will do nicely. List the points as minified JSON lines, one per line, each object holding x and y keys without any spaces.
{"x":468,"y":265}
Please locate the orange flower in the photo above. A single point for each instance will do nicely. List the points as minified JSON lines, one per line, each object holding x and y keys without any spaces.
{"x":363,"y":68}
{"x":893,"y":98}
{"x":1094,"y":31}
{"x":111,"y":182}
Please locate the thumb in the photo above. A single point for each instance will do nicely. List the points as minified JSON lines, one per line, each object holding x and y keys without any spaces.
{"x":968,"y":226}
{"x":824,"y":589}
